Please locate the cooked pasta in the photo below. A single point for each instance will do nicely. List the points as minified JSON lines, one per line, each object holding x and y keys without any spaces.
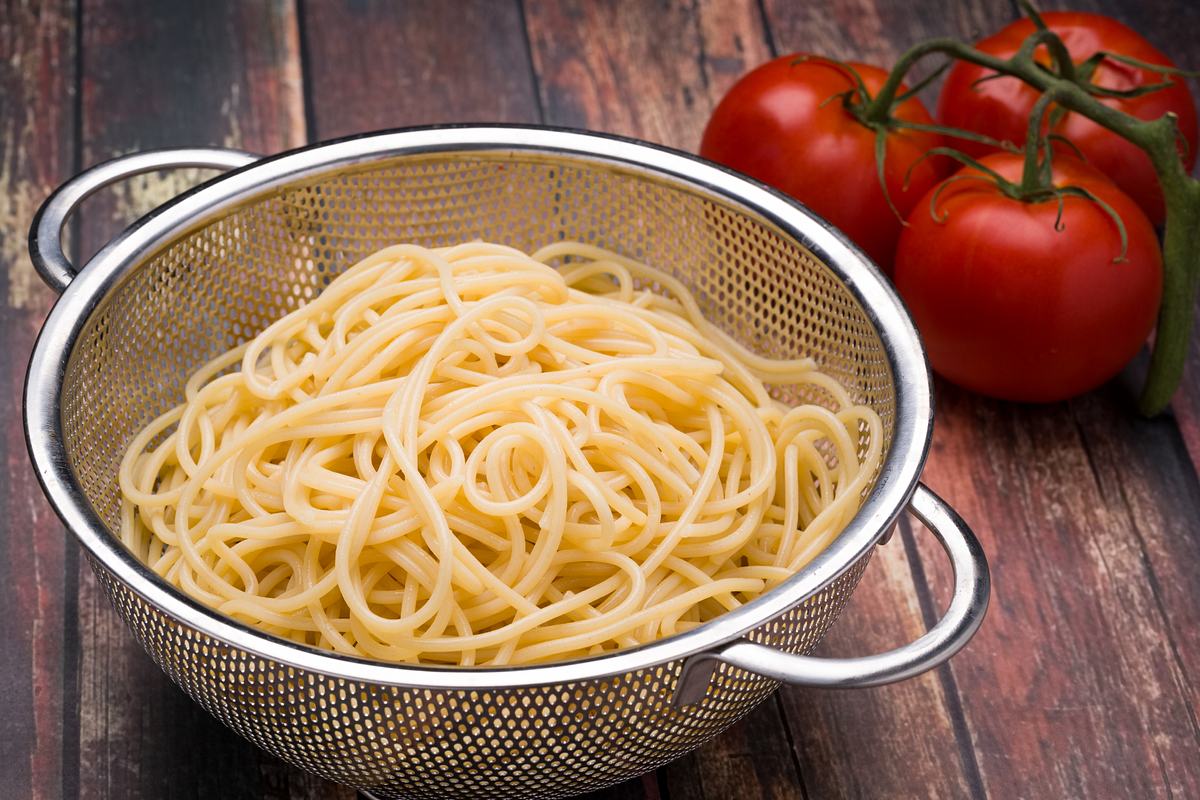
{"x":470,"y":456}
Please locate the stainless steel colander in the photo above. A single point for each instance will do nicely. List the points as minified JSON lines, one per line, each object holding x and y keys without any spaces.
{"x":214,"y":266}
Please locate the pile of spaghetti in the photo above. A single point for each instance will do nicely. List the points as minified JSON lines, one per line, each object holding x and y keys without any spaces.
{"x":468,"y":456}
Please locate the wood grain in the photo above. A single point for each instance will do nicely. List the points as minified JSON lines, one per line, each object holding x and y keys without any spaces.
{"x":37,"y":79}
{"x":202,"y":73}
{"x":373,"y":65}
{"x":1074,"y":686}
{"x":1083,"y":681}
{"x":1169,"y":28}
{"x":914,"y":730}
{"x":752,"y":759}
{"x":1186,"y":404}
{"x":907,"y":730}
{"x":1080,"y":682}
{"x":653,"y":71}
{"x":877,"y":31}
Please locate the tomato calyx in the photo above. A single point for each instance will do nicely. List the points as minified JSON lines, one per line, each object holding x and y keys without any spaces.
{"x":786,"y":124}
{"x":882,"y":120}
{"x":879,"y":115}
{"x":1035,"y":187}
{"x":1037,"y":177}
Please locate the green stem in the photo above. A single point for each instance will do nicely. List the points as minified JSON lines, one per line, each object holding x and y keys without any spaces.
{"x":1071,"y":95}
{"x":1058,"y":51}
{"x":1158,"y":138}
{"x":1181,"y":280}
{"x":1031,"y":173}
{"x":879,"y":110}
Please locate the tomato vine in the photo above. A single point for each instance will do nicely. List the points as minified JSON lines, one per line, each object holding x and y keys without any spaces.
{"x":1068,"y":86}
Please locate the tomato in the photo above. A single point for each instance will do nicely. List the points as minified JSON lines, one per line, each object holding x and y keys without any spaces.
{"x":1010,"y":307}
{"x":1000,"y":107}
{"x":779,"y":124}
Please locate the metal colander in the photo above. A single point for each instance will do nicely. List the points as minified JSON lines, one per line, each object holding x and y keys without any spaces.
{"x":215,"y":266}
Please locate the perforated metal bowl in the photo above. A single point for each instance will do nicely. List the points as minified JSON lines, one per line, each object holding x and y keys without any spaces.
{"x":214,"y":266}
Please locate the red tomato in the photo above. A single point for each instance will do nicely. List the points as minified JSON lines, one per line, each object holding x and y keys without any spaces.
{"x":1000,"y":108}
{"x":779,"y":125}
{"x":1012,"y":308}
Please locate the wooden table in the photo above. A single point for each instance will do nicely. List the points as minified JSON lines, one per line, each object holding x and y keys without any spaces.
{"x":1084,"y":679}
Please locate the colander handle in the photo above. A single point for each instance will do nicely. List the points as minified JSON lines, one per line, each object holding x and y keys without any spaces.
{"x":971,"y":587}
{"x":45,"y":234}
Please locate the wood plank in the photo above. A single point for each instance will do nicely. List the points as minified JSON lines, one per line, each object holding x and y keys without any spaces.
{"x":1146,"y":462}
{"x":1087,"y":513}
{"x":1186,"y":405}
{"x":1076,"y":675}
{"x":655,"y":71}
{"x":1145,"y":465}
{"x":220,"y":73}
{"x":487,"y":90}
{"x":914,"y":730}
{"x":643,"y":788}
{"x":906,"y":730}
{"x":877,"y":31}
{"x":1167,"y":27}
{"x":37,"y":80}
{"x":377,"y":65}
{"x":373,"y":65}
{"x":1152,"y":465}
{"x":752,"y":759}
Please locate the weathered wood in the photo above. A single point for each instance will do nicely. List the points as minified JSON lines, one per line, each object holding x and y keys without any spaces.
{"x":653,"y":71}
{"x":1169,"y":27}
{"x":1074,"y":686}
{"x":1080,"y":682}
{"x":911,"y":732}
{"x":643,"y":788}
{"x":373,"y":65}
{"x":37,"y":81}
{"x":159,"y":76}
{"x":877,"y":31}
{"x":1144,"y":464}
{"x":1151,"y":465}
{"x":1083,"y":680}
{"x":753,"y":759}
{"x":1186,"y":404}
{"x":906,"y":731}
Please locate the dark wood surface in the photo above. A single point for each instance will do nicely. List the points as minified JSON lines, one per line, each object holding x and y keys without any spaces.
{"x":1084,"y":679}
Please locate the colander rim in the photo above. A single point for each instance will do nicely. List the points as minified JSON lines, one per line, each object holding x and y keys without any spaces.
{"x":194,"y":209}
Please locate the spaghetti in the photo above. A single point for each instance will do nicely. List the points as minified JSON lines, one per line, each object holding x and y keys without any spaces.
{"x":467,"y":456}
